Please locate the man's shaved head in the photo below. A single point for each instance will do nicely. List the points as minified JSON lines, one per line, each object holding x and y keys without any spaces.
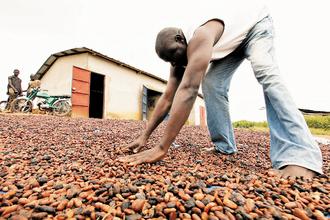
{"x":171,"y":46}
{"x":164,"y":37}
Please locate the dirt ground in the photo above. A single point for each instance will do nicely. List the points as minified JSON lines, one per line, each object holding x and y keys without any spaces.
{"x":64,"y":168}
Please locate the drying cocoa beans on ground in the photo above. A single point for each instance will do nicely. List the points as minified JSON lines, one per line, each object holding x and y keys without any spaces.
{"x":64,"y":168}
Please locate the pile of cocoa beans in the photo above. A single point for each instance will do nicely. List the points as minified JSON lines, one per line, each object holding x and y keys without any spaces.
{"x":65,"y":168}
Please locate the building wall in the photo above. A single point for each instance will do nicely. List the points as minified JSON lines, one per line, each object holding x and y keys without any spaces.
{"x":123,"y":86}
{"x":58,"y":79}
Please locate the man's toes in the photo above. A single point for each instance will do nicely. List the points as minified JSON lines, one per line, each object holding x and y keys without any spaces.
{"x":273,"y":172}
{"x":126,"y":158}
{"x":297,"y":171}
{"x":125,"y":149}
{"x":123,"y":159}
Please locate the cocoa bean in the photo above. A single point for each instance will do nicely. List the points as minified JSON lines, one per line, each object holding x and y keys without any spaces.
{"x":138,"y":204}
{"x":300,"y":214}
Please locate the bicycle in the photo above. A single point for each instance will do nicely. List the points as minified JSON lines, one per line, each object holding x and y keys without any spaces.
{"x":58,"y":105}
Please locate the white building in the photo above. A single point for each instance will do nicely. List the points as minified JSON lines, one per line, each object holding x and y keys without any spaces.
{"x":102,"y":87}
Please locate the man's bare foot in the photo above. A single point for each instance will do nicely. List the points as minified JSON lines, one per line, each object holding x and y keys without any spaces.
{"x":296,"y":171}
{"x":148,"y":156}
{"x":212,"y":150}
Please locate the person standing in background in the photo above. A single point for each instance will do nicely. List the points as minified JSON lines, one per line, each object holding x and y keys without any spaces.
{"x":14,"y":88}
{"x":33,"y":84}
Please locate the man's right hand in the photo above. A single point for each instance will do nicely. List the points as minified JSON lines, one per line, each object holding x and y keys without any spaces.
{"x":136,"y":145}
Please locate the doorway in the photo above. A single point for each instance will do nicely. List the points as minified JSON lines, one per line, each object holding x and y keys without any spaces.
{"x":152,"y":99}
{"x":149,"y":100}
{"x":96,"y":98}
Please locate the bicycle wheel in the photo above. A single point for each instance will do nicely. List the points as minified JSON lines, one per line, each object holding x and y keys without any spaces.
{"x":62,"y":108}
{"x":21,"y":105}
{"x":3,"y":105}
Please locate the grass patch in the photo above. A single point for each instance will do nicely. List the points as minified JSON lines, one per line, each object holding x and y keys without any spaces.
{"x":320,"y":131}
{"x":250,"y":124}
{"x":319,"y":122}
{"x":318,"y":125}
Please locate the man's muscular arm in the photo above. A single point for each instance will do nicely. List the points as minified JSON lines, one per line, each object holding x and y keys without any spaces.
{"x":161,"y":109}
{"x":199,"y":55}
